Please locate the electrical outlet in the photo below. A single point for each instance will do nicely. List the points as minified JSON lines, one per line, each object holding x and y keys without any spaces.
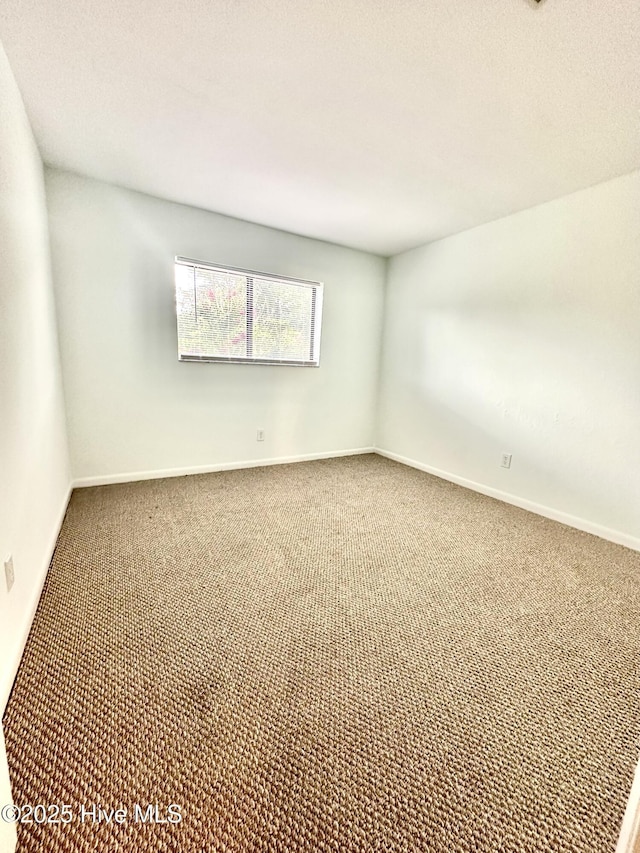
{"x":506,"y":460}
{"x":260,"y":435}
{"x":8,"y":573}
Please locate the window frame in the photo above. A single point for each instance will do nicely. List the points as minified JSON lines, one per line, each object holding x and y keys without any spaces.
{"x":317,"y":289}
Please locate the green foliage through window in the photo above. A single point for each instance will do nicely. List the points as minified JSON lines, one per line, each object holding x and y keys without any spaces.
{"x":236,"y":315}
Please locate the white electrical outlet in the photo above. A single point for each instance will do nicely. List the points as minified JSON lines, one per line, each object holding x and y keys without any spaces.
{"x":8,"y":573}
{"x":260,"y":435}
{"x":506,"y":460}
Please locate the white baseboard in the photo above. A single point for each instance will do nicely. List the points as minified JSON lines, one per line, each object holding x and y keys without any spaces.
{"x":607,"y":533}
{"x":630,"y":829}
{"x":36,"y":592}
{"x":133,"y":476}
{"x":539,"y":509}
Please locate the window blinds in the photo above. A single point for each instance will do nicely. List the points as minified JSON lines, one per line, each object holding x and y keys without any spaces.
{"x":233,"y":315}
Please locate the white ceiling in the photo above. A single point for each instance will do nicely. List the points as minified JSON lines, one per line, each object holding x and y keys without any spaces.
{"x":379,"y":124}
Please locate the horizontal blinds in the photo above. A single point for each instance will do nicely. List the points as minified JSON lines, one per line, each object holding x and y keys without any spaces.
{"x":212,"y":310}
{"x":281,"y":320}
{"x":226,"y":314}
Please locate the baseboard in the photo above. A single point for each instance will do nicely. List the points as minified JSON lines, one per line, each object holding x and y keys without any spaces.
{"x":33,"y":603}
{"x":134,"y":476}
{"x":539,"y":509}
{"x":630,"y":829}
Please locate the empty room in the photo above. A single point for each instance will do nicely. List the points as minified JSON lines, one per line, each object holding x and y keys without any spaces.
{"x":320,"y":426}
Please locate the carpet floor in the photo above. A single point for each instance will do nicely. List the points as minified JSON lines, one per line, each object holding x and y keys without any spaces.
{"x":342,"y":655}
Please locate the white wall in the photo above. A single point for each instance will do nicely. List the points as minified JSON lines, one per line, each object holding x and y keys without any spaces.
{"x":523,"y":336}
{"x":34,"y":472}
{"x":132,"y":407}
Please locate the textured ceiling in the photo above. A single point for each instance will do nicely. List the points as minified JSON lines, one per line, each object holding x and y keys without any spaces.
{"x":379,"y":125}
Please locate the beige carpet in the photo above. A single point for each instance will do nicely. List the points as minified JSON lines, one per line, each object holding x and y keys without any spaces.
{"x":344,"y":655}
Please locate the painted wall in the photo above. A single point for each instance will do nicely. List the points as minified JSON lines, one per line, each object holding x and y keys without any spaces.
{"x":34,"y":470}
{"x":523,"y":336}
{"x":132,"y":407}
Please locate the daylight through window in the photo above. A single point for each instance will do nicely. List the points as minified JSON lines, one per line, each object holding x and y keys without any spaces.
{"x":234,"y":315}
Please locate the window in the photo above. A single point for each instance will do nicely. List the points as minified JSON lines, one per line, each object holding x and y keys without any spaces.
{"x":233,"y":315}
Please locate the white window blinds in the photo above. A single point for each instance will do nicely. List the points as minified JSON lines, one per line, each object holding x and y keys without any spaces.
{"x":233,"y":315}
